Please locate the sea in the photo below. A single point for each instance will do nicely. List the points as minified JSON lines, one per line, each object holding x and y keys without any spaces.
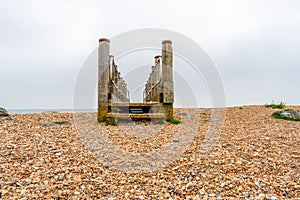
{"x":28,"y":111}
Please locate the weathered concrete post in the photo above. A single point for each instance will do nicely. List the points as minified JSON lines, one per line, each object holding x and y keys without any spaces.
{"x":103,"y":78}
{"x":167,"y":78}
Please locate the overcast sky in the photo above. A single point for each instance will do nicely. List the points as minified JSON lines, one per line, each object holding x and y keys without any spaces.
{"x":254,"y":44}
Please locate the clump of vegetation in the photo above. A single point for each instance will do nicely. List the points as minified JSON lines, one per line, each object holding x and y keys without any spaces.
{"x":274,"y":105}
{"x":175,"y":121}
{"x":111,"y":121}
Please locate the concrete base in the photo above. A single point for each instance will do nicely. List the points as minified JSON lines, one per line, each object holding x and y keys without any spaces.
{"x":102,"y":111}
{"x":168,"y":111}
{"x":119,"y":112}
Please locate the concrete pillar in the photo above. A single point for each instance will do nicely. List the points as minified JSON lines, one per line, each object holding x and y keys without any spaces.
{"x":103,"y":78}
{"x":167,"y":78}
{"x":167,"y":61}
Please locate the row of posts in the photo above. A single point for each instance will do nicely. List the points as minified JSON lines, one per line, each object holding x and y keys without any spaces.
{"x":153,"y":87}
{"x":160,"y":87}
{"x":111,"y":86}
{"x":118,"y":87}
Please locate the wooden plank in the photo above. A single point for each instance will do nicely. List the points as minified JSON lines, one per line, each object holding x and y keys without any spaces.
{"x":137,"y":104}
{"x":136,"y":116}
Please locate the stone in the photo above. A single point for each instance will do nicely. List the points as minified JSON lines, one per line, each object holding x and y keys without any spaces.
{"x":209,"y":110}
{"x":57,"y":123}
{"x":181,"y":114}
{"x":141,"y":197}
{"x":3,"y":112}
{"x":63,"y":123}
{"x":4,"y":115}
{"x":12,"y":181}
{"x":202,"y":191}
{"x":189,"y":184}
{"x":47,"y":124}
{"x":287,"y":114}
{"x":61,"y":177}
{"x":175,"y":140}
{"x":212,"y":120}
{"x":178,"y":191}
{"x":171,"y":189}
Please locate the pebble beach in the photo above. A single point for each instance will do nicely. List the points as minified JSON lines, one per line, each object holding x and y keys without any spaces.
{"x":253,"y":156}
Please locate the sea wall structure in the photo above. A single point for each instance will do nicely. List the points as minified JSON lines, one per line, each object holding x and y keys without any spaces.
{"x":113,"y":95}
{"x":159,"y":87}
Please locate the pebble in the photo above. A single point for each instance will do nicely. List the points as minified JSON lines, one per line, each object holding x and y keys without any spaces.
{"x":255,"y":157}
{"x":212,"y":120}
{"x":202,"y":191}
{"x":61,"y":177}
